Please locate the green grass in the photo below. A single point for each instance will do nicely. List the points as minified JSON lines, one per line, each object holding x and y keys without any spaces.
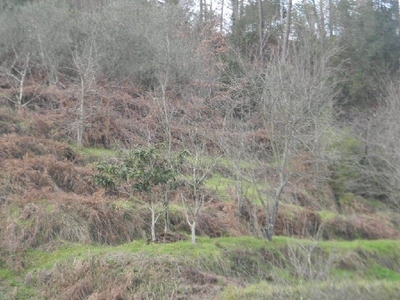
{"x":382,"y":273}
{"x":5,"y":274}
{"x":343,"y":274}
{"x":378,"y":247}
{"x":252,"y":194}
{"x":123,"y":204}
{"x":376,"y":204}
{"x":327,"y":215}
{"x":210,"y":247}
{"x":214,"y":246}
{"x":93,"y":154}
{"x":38,"y":259}
{"x":12,"y":287}
{"x":330,"y":289}
{"x":290,"y":210}
{"x":221,"y":185}
{"x":225,"y":162}
{"x":184,"y":249}
{"x":227,"y":256}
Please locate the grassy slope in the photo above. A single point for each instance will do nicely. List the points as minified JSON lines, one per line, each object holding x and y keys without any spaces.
{"x":227,"y":268}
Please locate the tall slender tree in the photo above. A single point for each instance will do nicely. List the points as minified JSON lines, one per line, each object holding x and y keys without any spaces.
{"x":285,"y":47}
{"x":260,"y":28}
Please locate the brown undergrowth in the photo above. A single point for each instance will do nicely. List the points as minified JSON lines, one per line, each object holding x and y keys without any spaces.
{"x":45,"y":217}
{"x":360,"y":226}
{"x":65,"y":217}
{"x":30,"y":164}
{"x":47,"y":192}
{"x":126,"y":276}
{"x":114,"y":276}
{"x":115,"y":115}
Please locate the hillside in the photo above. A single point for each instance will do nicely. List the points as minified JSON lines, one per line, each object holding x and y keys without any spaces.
{"x":54,"y":218}
{"x":164,"y":157}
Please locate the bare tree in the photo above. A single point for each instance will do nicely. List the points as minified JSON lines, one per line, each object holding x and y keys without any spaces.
{"x":200,"y":166}
{"x":285,"y":111}
{"x":285,"y":47}
{"x":396,"y":14}
{"x":48,"y":44}
{"x":164,"y":112}
{"x":202,"y":4}
{"x":308,"y":261}
{"x":16,"y":76}
{"x":332,"y":10}
{"x":260,"y":28}
{"x":374,"y":164}
{"x":164,"y":100}
{"x":235,"y":16}
{"x":322,"y":19}
{"x":221,"y":25}
{"x":164,"y":115}
{"x":86,"y":66}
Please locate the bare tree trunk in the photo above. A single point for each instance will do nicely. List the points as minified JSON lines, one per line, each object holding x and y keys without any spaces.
{"x":239,"y":196}
{"x":199,"y":173}
{"x":81,"y":115}
{"x":254,"y":227}
{"x":260,"y":28}
{"x":21,"y":84}
{"x":86,"y":66}
{"x":205,"y":11}
{"x":235,"y":16}
{"x":17,"y":81}
{"x":396,"y":15}
{"x":201,"y":11}
{"x":193,"y":232}
{"x":269,"y":231}
{"x":322,"y":20}
{"x":195,"y":211}
{"x":221,"y":25}
{"x":287,"y":31}
{"x":241,"y":9}
{"x":165,"y":112}
{"x":166,"y":211}
{"x":331,"y":16}
{"x":315,"y":13}
{"x":153,"y":221}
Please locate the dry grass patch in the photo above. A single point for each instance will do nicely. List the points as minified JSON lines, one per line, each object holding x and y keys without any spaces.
{"x":123,"y":276}
{"x":330,"y":289}
{"x":40,"y":223}
{"x":360,"y":226}
{"x":18,"y":147}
